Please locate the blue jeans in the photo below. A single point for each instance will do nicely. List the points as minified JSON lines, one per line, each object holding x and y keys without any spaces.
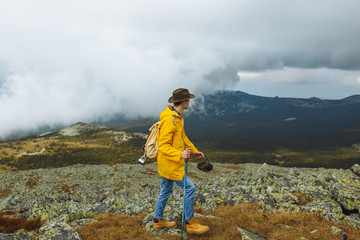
{"x":166,"y":191}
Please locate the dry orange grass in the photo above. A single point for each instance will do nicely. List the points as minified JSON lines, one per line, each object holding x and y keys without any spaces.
{"x":33,"y":182}
{"x":13,"y":149}
{"x":9,"y":224}
{"x":6,"y":168}
{"x":87,"y":143}
{"x":5,"y":192}
{"x":29,"y":146}
{"x":78,"y":166}
{"x":121,"y":185}
{"x":234,"y":167}
{"x":112,"y":227}
{"x":214,"y":172}
{"x":302,"y":197}
{"x":150,"y":172}
{"x":194,"y":175}
{"x":273,"y":226}
{"x":64,"y":188}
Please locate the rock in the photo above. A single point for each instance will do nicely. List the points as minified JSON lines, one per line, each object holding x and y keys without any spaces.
{"x":357,"y":146}
{"x":205,"y":216}
{"x":4,"y":236}
{"x":24,"y":235}
{"x":353,"y":220}
{"x":58,"y":230}
{"x":246,"y":235}
{"x":82,"y":222}
{"x":80,"y":127}
{"x":347,"y":193}
{"x":76,"y":198}
{"x":336,"y":231}
{"x":326,"y":207}
{"x":284,"y":226}
{"x":100,"y":198}
{"x":75,"y":193}
{"x":356,"y":169}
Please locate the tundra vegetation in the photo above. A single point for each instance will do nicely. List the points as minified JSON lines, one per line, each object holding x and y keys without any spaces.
{"x":100,"y":147}
{"x":107,"y":147}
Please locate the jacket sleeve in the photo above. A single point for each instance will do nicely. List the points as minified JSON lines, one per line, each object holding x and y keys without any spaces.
{"x":165,"y":139}
{"x":189,"y":145}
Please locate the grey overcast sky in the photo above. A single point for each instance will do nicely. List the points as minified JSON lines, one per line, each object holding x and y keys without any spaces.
{"x":65,"y":61}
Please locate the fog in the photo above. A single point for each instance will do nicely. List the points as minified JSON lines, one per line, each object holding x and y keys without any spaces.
{"x":67,"y":61}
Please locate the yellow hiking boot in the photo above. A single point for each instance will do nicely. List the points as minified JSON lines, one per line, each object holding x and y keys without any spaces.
{"x":162,"y":224}
{"x":192,"y":226}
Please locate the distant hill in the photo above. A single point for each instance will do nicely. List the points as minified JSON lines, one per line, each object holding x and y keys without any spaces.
{"x":230,"y":127}
{"x":235,"y":116}
{"x":353,"y":98}
{"x":79,"y":143}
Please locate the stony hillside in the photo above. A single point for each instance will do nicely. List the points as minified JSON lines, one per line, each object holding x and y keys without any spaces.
{"x":68,"y":197}
{"x":80,"y":143}
{"x":312,"y":132}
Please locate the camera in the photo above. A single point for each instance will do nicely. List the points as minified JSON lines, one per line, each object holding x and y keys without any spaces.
{"x":142,"y":160}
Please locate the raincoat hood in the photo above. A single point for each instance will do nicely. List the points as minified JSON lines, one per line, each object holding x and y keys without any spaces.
{"x":169,"y":112}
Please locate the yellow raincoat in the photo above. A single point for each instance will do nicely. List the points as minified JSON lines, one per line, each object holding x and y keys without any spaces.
{"x":172,"y":141}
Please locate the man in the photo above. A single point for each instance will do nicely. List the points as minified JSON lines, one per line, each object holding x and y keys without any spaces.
{"x":172,"y":143}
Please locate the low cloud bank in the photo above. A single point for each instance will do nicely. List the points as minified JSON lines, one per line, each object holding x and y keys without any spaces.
{"x":66,"y":62}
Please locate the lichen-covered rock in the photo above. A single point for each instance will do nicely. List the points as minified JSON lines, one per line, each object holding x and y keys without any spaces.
{"x":346,"y":191}
{"x":66,"y":211}
{"x":83,"y":191}
{"x":82,"y":222}
{"x":336,"y":231}
{"x":18,"y":235}
{"x":24,"y":235}
{"x":58,"y":230}
{"x":353,"y":220}
{"x":4,"y":236}
{"x":356,"y":168}
{"x":326,"y":207}
{"x":246,"y":235}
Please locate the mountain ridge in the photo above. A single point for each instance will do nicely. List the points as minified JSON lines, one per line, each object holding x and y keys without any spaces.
{"x":238,"y":116}
{"x":245,"y":102}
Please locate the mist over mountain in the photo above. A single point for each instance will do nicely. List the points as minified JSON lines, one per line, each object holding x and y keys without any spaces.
{"x":238,"y":117}
{"x":241,"y":116}
{"x":229,"y":126}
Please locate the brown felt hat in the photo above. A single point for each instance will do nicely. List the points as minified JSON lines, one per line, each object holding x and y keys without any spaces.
{"x":179,"y":95}
{"x":205,"y":166}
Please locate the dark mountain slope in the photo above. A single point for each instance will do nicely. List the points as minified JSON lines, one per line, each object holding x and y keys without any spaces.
{"x":237,"y":116}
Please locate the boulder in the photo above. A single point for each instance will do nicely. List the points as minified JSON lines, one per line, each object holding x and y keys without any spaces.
{"x":24,"y":235}
{"x":58,"y":230}
{"x":356,"y":169}
{"x":336,"y":231}
{"x":4,"y":236}
{"x":73,"y":193}
{"x":246,"y":235}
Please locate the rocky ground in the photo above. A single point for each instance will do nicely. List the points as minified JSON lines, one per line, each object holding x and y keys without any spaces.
{"x":77,"y":193}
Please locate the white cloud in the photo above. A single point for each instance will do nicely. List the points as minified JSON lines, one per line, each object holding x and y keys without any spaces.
{"x":249,"y":75}
{"x":299,"y":82}
{"x":67,"y":61}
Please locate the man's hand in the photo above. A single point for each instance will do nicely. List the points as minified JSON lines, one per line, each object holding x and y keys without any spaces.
{"x":200,"y":155}
{"x":185,"y":154}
